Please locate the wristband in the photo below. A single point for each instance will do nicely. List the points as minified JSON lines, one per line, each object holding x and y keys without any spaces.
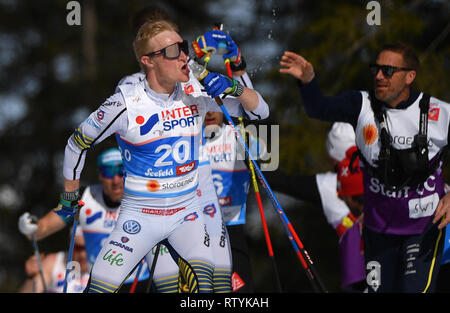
{"x":70,"y":195}
{"x":237,"y":90}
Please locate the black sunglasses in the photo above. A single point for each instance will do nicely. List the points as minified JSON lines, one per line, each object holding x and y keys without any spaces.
{"x":173,"y":51}
{"x":387,"y":70}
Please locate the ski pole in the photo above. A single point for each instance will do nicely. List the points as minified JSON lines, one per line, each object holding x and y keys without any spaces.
{"x":302,"y":254}
{"x":136,"y":279}
{"x":38,"y":259}
{"x":309,"y":273}
{"x":258,"y":197}
{"x":200,"y":73}
{"x":72,"y":243}
{"x":38,"y":256}
{"x":152,"y":269}
{"x":264,"y":223}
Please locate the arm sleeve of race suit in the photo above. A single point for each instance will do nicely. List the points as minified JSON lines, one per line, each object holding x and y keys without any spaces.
{"x":235,"y":108}
{"x":333,"y":207}
{"x":342,"y":108}
{"x":108,"y":119}
{"x":262,"y":111}
{"x":302,"y":187}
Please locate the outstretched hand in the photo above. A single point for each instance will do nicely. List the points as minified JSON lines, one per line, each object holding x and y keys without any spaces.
{"x":297,"y":66}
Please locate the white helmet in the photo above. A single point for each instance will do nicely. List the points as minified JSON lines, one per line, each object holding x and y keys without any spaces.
{"x":340,"y":138}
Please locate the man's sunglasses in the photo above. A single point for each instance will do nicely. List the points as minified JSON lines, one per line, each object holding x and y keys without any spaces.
{"x":173,"y":51}
{"x":111,"y":171}
{"x":387,"y":70}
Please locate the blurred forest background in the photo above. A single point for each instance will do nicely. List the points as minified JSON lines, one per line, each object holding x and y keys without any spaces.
{"x":53,"y":75}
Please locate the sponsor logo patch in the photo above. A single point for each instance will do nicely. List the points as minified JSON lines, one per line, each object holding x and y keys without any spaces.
{"x":191,"y":217}
{"x":91,"y":219}
{"x":223,"y":201}
{"x":131,"y":227}
{"x":153,"y":185}
{"x":433,"y":112}
{"x":121,"y":245}
{"x":210,"y":210}
{"x":370,"y":134}
{"x":236,"y":281}
{"x":164,"y":212}
{"x":100,"y":114}
{"x":186,"y":168}
{"x":188,"y":89}
{"x":147,"y":127}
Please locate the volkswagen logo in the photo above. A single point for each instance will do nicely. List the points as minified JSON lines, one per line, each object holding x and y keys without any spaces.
{"x":131,"y":227}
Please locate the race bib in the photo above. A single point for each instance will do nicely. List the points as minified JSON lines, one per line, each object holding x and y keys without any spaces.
{"x":423,"y":207}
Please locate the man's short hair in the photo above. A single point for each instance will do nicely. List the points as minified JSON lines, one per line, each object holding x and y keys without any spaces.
{"x":409,"y":56}
{"x":147,"y":31}
{"x":149,"y":13}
